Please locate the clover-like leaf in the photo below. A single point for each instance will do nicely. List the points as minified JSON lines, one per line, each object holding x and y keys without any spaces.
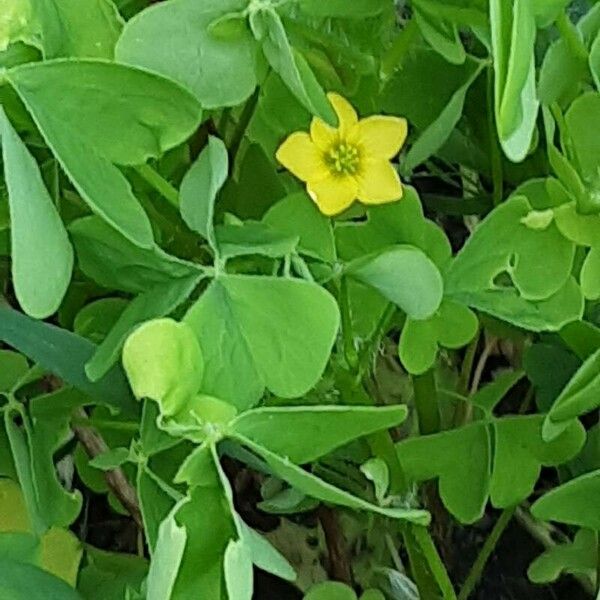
{"x":472,"y":464}
{"x":498,"y":270}
{"x":258,"y":332}
{"x":163,"y":362}
{"x":405,"y":276}
{"x":391,"y":224}
{"x":196,"y":57}
{"x":452,"y":326}
{"x":577,"y":557}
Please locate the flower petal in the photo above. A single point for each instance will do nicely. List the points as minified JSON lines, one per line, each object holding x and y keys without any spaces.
{"x":346,"y":114}
{"x":382,"y":136}
{"x":299,"y":155}
{"x":378,"y":182}
{"x":334,"y":194}
{"x":323,"y":135}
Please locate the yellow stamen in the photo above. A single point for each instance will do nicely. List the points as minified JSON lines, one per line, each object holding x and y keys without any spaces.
{"x":343,"y":159}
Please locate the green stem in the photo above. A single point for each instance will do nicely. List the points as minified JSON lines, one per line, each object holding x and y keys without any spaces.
{"x":426,"y":403}
{"x":128,"y":426}
{"x":483,"y":557}
{"x":348,"y":338}
{"x":569,"y":33}
{"x":434,"y":561}
{"x":159,"y":183}
{"x":380,"y":330}
{"x":495,"y":150}
{"x":242,"y":125}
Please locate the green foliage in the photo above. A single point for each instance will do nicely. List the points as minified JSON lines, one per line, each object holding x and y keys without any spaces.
{"x":190,"y":343}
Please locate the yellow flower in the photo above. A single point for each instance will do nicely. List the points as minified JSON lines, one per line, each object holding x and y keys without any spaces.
{"x":349,"y":163}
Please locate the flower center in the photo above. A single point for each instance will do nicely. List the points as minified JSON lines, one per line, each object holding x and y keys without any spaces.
{"x":343,"y":159}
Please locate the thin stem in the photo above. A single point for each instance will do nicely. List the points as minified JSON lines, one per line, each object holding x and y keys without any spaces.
{"x":569,"y":33}
{"x":242,"y":126}
{"x":467,"y":366}
{"x":128,"y":426}
{"x":378,"y":333}
{"x":485,"y":553}
{"x":495,"y":151}
{"x":426,"y":403}
{"x":348,"y":338}
{"x":435,"y":562}
{"x":116,"y":479}
{"x":159,"y":183}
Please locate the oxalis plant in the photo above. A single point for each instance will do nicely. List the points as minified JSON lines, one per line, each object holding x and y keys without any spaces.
{"x":300,"y":299}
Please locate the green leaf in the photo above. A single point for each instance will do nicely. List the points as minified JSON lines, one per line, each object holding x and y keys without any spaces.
{"x":520,"y":452}
{"x":573,"y":503}
{"x":452,"y":326}
{"x":581,"y":395}
{"x":340,"y":8}
{"x":237,"y":565}
{"x":304,"y":434}
{"x":252,"y":237}
{"x":156,"y":502}
{"x":297,"y":215}
{"x":113,"y":261}
{"x":19,"y":546}
{"x":79,"y":28}
{"x":583,"y":230}
{"x":577,"y":557}
{"x":111,"y":459}
{"x":377,"y":471}
{"x":42,"y":256}
{"x":158,"y":302}
{"x":390,"y":224}
{"x":542,"y":296}
{"x":442,"y":35}
{"x":264,"y":555}
{"x":166,"y":559}
{"x":503,"y":243}
{"x":472,"y":464}
{"x":490,"y":395}
{"x":460,"y":459}
{"x":109,"y":574}
{"x":326,"y":492}
{"x":289,"y":64}
{"x":200,"y":187}
{"x":516,"y":106}
{"x":21,"y":581}
{"x":209,"y":527}
{"x":330,"y":590}
{"x":13,"y":367}
{"x":195,"y":58}
{"x":126,"y":114}
{"x":590,"y":275}
{"x":163,"y":362}
{"x":95,"y":320}
{"x":405,"y":276}
{"x":258,"y":332}
{"x":256,"y":187}
{"x":437,"y":133}
{"x":580,"y":118}
{"x":64,"y":354}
